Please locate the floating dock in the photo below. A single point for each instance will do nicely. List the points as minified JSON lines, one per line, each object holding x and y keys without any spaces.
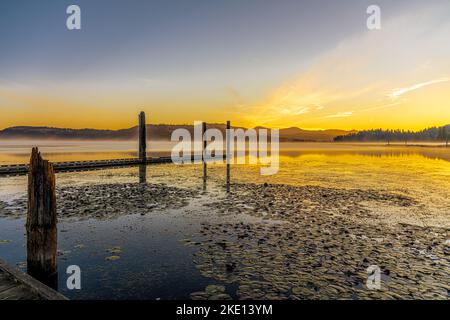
{"x":21,"y":169}
{"x":18,"y":169}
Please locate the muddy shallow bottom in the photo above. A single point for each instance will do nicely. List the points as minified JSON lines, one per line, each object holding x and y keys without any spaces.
{"x":261,"y":241}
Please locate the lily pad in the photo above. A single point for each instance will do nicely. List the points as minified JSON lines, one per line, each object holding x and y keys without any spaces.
{"x":113,"y":258}
{"x":214,"y":289}
{"x":114,"y":250}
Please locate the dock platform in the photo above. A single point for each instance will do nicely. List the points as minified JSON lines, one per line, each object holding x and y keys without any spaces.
{"x":20,"y":169}
{"x":16,"y":285}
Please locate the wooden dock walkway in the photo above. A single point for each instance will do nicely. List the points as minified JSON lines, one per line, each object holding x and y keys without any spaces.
{"x":16,"y":285}
{"x":19,"y":169}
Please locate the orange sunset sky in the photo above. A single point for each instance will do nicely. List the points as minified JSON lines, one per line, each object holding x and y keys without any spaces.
{"x":314,"y":66}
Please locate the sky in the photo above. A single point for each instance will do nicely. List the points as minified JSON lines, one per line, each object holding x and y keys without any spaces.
{"x":276,"y":63}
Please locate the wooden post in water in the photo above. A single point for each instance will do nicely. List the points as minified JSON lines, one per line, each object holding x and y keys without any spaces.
{"x":204,"y":150}
{"x":41,"y":221}
{"x":142,"y":138}
{"x":228,"y":151}
{"x":142,"y":173}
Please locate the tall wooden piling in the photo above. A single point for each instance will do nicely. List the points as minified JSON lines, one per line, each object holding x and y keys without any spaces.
{"x":142,"y":138}
{"x":41,"y":221}
{"x":142,"y":173}
{"x":228,"y":153}
{"x":204,"y":150}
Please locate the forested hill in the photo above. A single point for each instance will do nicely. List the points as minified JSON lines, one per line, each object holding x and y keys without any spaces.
{"x":430,"y":134}
{"x":154,"y":132}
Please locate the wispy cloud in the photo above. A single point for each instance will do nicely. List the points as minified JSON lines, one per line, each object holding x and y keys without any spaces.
{"x":383,"y":106}
{"x":355,"y":81}
{"x":294,"y":110}
{"x":401,"y":91}
{"x":340,"y":115}
{"x":319,"y":107}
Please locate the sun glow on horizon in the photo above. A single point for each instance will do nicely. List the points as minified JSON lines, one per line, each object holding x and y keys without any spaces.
{"x":395,"y":78}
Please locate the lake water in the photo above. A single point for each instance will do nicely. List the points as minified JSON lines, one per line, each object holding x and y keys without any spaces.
{"x":154,"y":261}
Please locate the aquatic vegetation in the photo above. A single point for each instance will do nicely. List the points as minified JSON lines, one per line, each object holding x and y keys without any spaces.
{"x":114,"y":250}
{"x":105,"y":201}
{"x":211,"y":292}
{"x":112,"y":258}
{"x":323,"y":249}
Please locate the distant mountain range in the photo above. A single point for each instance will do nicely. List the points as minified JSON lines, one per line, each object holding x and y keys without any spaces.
{"x":154,"y":132}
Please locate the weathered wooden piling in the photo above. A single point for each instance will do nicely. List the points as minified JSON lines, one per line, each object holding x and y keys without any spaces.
{"x":204,"y":150}
{"x":142,"y":173}
{"x":228,"y":151}
{"x":142,"y":138}
{"x":41,"y":221}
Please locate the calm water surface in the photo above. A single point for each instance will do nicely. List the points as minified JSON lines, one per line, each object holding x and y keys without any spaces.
{"x":154,"y":263}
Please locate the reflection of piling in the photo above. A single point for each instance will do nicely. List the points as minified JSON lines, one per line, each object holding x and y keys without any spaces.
{"x":228,"y":155}
{"x":142,"y":138}
{"x":41,"y":221}
{"x":204,"y":149}
{"x":142,"y":173}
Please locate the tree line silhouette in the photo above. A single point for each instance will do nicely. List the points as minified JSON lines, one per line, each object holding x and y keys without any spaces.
{"x":434,"y":134}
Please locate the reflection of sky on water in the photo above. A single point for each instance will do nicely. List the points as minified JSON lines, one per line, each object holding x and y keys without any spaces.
{"x":155,"y":264}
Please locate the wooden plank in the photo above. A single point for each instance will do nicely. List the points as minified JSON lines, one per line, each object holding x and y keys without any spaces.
{"x":20,"y":292}
{"x":6,"y":282}
{"x":23,"y":286}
